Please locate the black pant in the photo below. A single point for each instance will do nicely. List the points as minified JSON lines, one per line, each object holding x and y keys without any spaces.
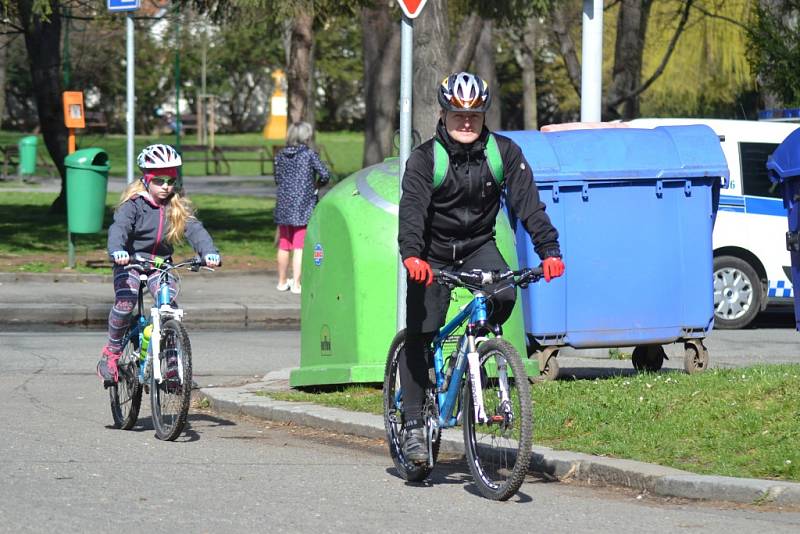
{"x":426,"y":309}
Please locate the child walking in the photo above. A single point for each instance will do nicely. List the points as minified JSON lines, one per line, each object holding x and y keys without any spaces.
{"x":150,"y":219}
{"x":296,"y":167}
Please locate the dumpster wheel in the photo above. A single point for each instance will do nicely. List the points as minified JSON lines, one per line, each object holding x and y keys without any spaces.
{"x":695,"y":359}
{"x":548,"y":364}
{"x":648,"y":358}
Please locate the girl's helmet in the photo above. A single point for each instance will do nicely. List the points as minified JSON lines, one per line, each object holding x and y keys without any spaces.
{"x":464,"y":92}
{"x":158,"y":157}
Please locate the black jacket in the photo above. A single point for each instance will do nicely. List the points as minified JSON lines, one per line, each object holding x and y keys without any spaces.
{"x":455,"y":220}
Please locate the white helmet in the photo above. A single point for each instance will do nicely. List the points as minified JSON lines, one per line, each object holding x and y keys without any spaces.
{"x":158,"y":157}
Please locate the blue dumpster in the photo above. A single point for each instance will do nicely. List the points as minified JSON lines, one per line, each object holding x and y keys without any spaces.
{"x":635,"y":210}
{"x":784,"y":168}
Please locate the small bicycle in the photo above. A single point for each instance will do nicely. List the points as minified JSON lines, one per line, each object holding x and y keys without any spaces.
{"x":482,"y":385}
{"x":167,"y":377}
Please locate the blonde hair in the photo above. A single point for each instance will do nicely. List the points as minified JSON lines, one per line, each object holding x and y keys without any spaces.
{"x":179,"y":210}
{"x":299,"y":133}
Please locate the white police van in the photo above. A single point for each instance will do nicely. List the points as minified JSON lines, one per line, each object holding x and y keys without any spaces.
{"x":751,"y":263}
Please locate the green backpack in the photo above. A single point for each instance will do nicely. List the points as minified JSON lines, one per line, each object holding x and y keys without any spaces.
{"x":441,"y":162}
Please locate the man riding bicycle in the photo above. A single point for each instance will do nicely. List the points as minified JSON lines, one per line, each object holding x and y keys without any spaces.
{"x":447,"y":222}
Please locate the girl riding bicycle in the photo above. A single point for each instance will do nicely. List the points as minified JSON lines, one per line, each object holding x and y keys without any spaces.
{"x":151,"y":218}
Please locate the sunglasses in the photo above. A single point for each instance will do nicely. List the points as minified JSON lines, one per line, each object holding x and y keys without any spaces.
{"x":163,"y":180}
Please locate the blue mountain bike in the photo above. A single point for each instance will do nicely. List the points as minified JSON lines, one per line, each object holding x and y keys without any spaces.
{"x":482,"y":385}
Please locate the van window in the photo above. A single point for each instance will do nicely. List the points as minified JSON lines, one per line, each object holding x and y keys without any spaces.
{"x":755,"y":181}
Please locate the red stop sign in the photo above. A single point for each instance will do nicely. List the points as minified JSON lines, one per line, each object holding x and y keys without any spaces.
{"x":412,"y":8}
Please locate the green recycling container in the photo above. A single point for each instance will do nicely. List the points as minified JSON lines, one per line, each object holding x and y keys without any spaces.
{"x":27,"y":154}
{"x":348,"y":311}
{"x":87,"y":183}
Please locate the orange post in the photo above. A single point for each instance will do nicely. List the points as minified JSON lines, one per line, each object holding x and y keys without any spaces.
{"x":73,"y":116}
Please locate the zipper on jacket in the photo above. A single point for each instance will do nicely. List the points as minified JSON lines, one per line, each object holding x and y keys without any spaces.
{"x":160,"y":228}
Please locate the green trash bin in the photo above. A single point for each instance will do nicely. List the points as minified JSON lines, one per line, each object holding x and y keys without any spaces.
{"x":87,"y":183}
{"x":27,"y":155}
{"x":349,"y":299}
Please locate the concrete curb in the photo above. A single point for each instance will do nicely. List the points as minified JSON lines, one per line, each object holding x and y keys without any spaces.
{"x":562,"y":465}
{"x":196,"y":315}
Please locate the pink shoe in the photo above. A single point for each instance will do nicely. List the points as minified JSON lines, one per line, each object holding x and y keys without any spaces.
{"x":107,"y":367}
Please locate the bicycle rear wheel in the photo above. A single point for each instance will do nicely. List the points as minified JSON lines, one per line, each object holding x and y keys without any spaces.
{"x":499,"y":451}
{"x":126,"y":394}
{"x":170,"y":399}
{"x":393,"y":416}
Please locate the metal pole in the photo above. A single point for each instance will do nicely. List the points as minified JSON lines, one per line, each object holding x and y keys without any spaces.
{"x":406,"y":84}
{"x":130,"y":92}
{"x":202,"y":102}
{"x":592,"y":61}
{"x":178,"y":123}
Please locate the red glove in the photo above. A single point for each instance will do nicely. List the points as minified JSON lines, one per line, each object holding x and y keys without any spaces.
{"x":419,"y":270}
{"x":553,"y":268}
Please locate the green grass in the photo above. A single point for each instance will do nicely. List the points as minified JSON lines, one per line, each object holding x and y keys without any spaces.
{"x":734,"y":422}
{"x":345,"y":149}
{"x":34,"y":240}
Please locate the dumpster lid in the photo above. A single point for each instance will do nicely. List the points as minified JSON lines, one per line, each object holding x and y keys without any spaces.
{"x":623,"y":153}
{"x":785,"y":161}
{"x":96,"y":158}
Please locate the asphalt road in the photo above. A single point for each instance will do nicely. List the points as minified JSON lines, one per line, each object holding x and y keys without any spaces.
{"x":64,"y":469}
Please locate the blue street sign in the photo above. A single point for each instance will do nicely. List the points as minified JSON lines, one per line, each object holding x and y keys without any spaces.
{"x":123,"y":5}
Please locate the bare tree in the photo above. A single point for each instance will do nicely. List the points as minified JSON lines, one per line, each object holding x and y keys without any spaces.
{"x":485,"y":68}
{"x":466,"y":43}
{"x":431,"y":64}
{"x":42,"y":40}
{"x":526,"y":41}
{"x":381,"y":42}
{"x":626,"y":75}
{"x":626,"y":85}
{"x":298,"y":68}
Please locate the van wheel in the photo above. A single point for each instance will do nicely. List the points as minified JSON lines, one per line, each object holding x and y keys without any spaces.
{"x":737,"y":293}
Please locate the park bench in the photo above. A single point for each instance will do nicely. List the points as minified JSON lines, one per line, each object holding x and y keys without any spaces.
{"x":10,"y":155}
{"x":233,"y":153}
{"x":95,"y":121}
{"x":188,"y":123}
{"x":204,"y":153}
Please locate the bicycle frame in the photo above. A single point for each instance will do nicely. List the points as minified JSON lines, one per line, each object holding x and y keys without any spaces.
{"x":159,"y":313}
{"x":448,"y":383}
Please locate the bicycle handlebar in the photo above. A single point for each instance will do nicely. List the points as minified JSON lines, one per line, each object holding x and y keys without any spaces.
{"x":141,"y":263}
{"x":478,"y":278}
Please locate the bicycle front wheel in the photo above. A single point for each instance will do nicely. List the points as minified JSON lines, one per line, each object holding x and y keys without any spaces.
{"x":126,"y":394}
{"x":170,"y":399}
{"x":393,"y":416}
{"x":499,"y":450}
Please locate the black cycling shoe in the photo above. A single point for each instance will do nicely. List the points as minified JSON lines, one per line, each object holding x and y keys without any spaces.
{"x":415,"y":448}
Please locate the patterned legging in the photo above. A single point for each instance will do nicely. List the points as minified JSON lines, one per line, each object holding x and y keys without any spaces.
{"x":126,"y":290}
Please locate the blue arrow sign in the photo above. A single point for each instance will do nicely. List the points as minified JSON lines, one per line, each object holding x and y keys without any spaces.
{"x":123,"y":5}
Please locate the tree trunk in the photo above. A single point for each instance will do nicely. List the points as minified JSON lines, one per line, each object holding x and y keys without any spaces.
{"x":561,"y":21}
{"x":431,"y":65}
{"x":485,"y":68}
{"x":467,"y":40}
{"x":525,"y":46}
{"x":298,"y":69}
{"x":381,"y":42}
{"x":310,"y":115}
{"x":5,"y":41}
{"x":626,"y":75}
{"x":42,"y":39}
